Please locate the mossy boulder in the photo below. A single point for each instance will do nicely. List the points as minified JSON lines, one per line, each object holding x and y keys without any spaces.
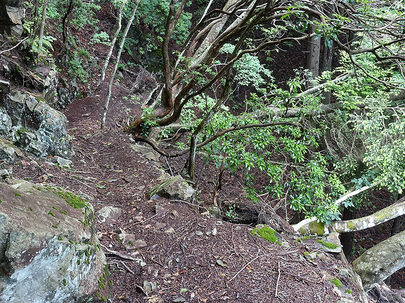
{"x":310,"y":227}
{"x":49,"y":251}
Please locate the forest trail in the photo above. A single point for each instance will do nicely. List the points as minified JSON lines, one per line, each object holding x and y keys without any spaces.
{"x":177,"y":254}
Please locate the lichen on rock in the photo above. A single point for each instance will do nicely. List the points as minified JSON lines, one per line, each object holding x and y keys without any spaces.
{"x":42,"y":236}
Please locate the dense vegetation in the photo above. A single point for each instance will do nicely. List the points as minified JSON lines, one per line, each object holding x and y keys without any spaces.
{"x":336,"y":124}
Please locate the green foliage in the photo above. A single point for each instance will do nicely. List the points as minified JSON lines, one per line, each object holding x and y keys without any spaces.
{"x":383,"y":132}
{"x":146,"y":44}
{"x":378,"y":122}
{"x":76,"y":65}
{"x":249,"y":70}
{"x":46,"y":44}
{"x":83,"y":12}
{"x":149,"y":120}
{"x":101,"y":37}
{"x":230,"y":213}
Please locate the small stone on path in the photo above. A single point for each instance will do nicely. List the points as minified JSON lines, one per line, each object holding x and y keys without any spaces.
{"x":129,"y":241}
{"x":170,"y":230}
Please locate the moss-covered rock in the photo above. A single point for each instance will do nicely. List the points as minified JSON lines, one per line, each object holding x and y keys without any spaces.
{"x":50,"y":236}
{"x":266,"y":232}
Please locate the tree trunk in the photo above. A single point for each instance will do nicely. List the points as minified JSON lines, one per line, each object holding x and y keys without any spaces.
{"x":107,"y":102}
{"x":191,"y":158}
{"x":314,"y":50}
{"x":381,"y":261}
{"x":327,"y":66}
{"x":65,"y":22}
{"x":118,"y":29}
{"x":347,"y":238}
{"x":41,"y":31}
{"x":379,"y":217}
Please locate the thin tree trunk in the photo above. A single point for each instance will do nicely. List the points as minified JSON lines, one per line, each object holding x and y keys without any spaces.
{"x":41,"y":32}
{"x":327,"y":66}
{"x":65,"y":22}
{"x":107,"y":102}
{"x":118,"y":26}
{"x":314,"y":50}
{"x":347,"y":238}
{"x":191,"y":158}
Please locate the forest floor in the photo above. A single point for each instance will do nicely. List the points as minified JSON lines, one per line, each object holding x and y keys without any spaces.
{"x":183,"y":255}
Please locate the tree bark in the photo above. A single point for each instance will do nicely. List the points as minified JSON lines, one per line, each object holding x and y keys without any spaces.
{"x":381,"y":261}
{"x":347,"y":238}
{"x":384,"y":215}
{"x":314,"y":50}
{"x":65,"y":22}
{"x":107,"y":102}
{"x":41,"y":31}
{"x":118,"y":29}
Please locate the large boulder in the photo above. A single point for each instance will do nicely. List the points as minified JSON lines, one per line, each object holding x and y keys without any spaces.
{"x":36,"y":127}
{"x":49,"y":251}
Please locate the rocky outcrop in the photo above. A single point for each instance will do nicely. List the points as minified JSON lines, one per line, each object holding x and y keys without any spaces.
{"x":12,"y":14}
{"x":49,"y":251}
{"x":30,"y":123}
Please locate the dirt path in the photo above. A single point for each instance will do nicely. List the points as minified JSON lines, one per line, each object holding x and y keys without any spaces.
{"x":183,"y":256}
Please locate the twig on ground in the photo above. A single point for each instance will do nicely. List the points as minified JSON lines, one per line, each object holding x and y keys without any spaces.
{"x":7,"y":50}
{"x":118,"y":254}
{"x":127,"y":268}
{"x":278,"y":280}
{"x":244,"y":266}
{"x":170,"y":168}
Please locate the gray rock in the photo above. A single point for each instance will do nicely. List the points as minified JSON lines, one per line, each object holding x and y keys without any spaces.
{"x":149,"y":287}
{"x":49,"y":251}
{"x":147,"y":151}
{"x":5,"y":123}
{"x":108,"y":215}
{"x":4,"y":87}
{"x":4,"y":173}
{"x":8,"y":152}
{"x":37,"y":127}
{"x":331,"y":243}
{"x":63,"y":162}
{"x":130,"y":241}
{"x":381,"y":261}
{"x":172,"y":188}
{"x":12,"y":14}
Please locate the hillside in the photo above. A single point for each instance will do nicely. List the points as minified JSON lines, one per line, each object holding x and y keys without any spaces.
{"x":212,"y":247}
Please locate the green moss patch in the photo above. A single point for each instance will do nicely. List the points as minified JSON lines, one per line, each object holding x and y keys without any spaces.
{"x":329,"y":245}
{"x":267,"y":233}
{"x":336,"y":282}
{"x":71,"y":199}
